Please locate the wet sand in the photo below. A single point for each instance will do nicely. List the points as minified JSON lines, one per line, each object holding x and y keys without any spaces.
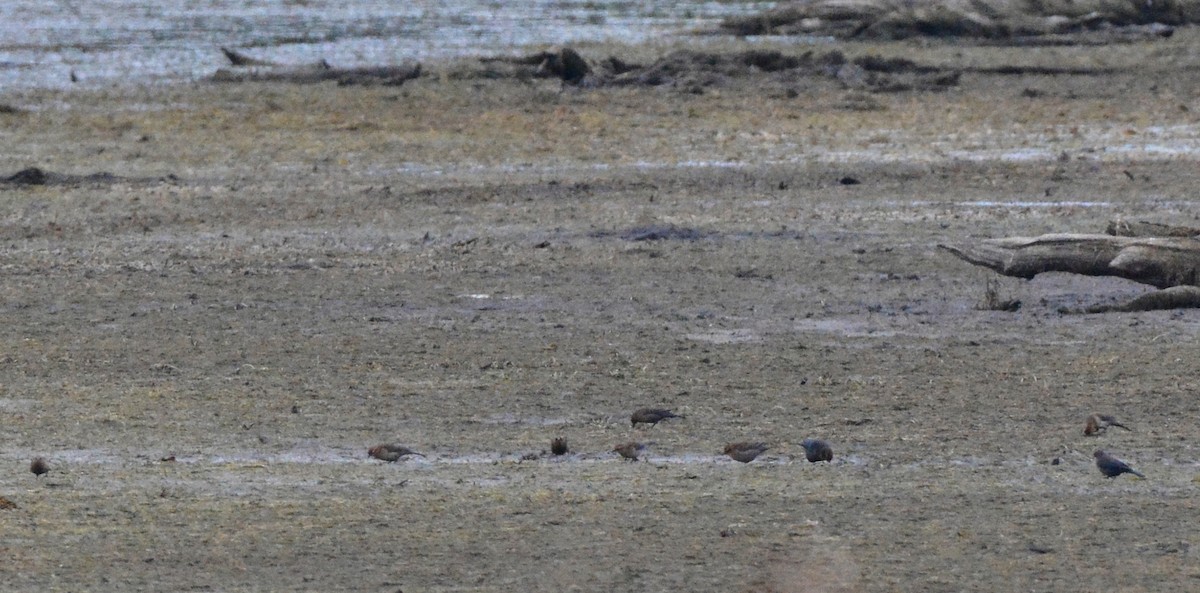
{"x":282,"y":276}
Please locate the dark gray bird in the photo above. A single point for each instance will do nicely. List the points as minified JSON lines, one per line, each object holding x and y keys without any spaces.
{"x":390,"y":452}
{"x":817,"y":450}
{"x":39,"y":466}
{"x":745,"y":452}
{"x":1097,"y":423}
{"x":1112,"y":467}
{"x":629,"y":450}
{"x":651,"y":416}
{"x":558,"y":446}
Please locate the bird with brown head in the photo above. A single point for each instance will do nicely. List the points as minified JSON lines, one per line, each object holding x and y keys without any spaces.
{"x":745,"y":452}
{"x":390,"y":452}
{"x":1098,"y":423}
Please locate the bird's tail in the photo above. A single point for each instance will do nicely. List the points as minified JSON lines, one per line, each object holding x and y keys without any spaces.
{"x":1137,"y":473}
{"x":1119,"y":425}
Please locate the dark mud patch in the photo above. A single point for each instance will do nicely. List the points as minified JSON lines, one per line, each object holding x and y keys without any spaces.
{"x":37,"y":176}
{"x":657,"y":232}
{"x":671,"y":232}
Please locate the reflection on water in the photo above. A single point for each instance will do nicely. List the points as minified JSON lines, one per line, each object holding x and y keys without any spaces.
{"x":42,"y":42}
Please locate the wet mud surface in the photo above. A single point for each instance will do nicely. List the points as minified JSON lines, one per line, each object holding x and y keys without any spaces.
{"x":275,"y":278}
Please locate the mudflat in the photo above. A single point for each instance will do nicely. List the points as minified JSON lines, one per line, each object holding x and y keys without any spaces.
{"x":273,"y":278}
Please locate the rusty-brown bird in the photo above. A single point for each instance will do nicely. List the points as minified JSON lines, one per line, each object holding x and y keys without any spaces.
{"x":390,"y":452}
{"x":1112,"y":467}
{"x":817,"y":450}
{"x":39,"y":466}
{"x":745,"y":452}
{"x":629,"y":450}
{"x":558,"y":446}
{"x":651,"y":416}
{"x":1097,"y":423}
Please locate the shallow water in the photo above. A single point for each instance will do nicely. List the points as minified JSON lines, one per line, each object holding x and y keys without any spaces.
{"x":43,"y":43}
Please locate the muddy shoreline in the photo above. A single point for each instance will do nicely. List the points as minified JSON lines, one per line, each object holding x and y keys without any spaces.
{"x":279,"y":276}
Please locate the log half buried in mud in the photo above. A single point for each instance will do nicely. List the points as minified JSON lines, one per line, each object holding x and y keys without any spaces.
{"x":1016,"y":21}
{"x":1175,"y":297}
{"x":1169,"y":263}
{"x":1161,"y":262}
{"x":322,"y":72}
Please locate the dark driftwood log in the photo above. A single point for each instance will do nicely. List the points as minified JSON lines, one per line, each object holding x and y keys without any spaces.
{"x":1170,"y":263}
{"x":1176,"y":297}
{"x":260,"y":71}
{"x":1158,"y":261}
{"x":1014,"y":21}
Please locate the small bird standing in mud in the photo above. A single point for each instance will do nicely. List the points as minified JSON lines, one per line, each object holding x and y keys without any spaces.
{"x":390,"y":452}
{"x":1098,"y":423}
{"x":558,"y":446}
{"x":651,"y":416}
{"x":39,"y":466}
{"x":745,"y":452}
{"x":1112,"y":467}
{"x":817,"y":450}
{"x":629,"y":450}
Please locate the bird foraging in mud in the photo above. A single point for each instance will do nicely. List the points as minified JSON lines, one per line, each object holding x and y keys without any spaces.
{"x":558,"y":446}
{"x":629,"y":450}
{"x":817,"y":450}
{"x":745,"y":452}
{"x":651,"y":416}
{"x":39,"y":466}
{"x":1112,"y":467}
{"x":1098,"y":423}
{"x":390,"y":452}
